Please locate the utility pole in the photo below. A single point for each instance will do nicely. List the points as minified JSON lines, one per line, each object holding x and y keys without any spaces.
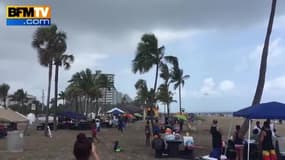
{"x":43,"y":100}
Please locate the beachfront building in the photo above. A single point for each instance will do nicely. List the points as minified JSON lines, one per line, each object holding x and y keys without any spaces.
{"x":111,"y":95}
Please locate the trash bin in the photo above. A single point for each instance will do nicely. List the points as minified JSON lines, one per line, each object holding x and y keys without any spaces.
{"x":15,"y":141}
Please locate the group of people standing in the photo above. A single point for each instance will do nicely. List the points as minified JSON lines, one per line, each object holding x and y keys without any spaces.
{"x":262,"y":135}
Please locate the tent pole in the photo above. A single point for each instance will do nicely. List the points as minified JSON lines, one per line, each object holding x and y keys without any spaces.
{"x":229,"y":132}
{"x":248,"y":140}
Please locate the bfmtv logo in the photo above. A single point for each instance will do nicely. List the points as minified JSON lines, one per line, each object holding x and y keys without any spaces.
{"x":28,"y":15}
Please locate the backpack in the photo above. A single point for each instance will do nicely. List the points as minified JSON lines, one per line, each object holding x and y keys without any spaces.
{"x":158,"y":144}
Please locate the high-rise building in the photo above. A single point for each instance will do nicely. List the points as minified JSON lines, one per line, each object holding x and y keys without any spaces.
{"x":108,"y":95}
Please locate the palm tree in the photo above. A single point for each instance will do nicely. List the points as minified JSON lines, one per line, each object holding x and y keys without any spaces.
{"x":73,"y":94}
{"x":90,"y":85}
{"x":64,"y":60}
{"x":165,"y":96}
{"x":48,"y":41}
{"x":263,"y":65}
{"x":21,"y":97}
{"x":148,"y":55}
{"x":143,"y":93}
{"x":178,"y":78}
{"x":145,"y":96}
{"x":4,"y":89}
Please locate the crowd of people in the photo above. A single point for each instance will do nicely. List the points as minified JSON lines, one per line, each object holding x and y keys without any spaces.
{"x":262,"y":136}
{"x":85,"y":148}
{"x":162,"y":133}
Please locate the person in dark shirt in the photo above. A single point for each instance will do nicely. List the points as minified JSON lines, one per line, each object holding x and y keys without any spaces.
{"x":216,"y":140}
{"x":84,"y":148}
{"x":268,"y":151}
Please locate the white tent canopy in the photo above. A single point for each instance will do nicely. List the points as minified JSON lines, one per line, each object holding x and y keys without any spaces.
{"x":8,"y":115}
{"x":116,"y":109}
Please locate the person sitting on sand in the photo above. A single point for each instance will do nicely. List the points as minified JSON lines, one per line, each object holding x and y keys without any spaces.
{"x":84,"y":148}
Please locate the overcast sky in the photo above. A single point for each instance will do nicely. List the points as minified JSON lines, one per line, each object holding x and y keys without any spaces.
{"x":218,"y":43}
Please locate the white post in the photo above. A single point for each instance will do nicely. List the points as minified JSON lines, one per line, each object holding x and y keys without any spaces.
{"x":248,"y":140}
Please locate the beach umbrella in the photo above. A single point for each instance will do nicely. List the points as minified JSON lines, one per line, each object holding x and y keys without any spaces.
{"x":138,"y":115}
{"x":181,"y":117}
{"x":128,"y":115}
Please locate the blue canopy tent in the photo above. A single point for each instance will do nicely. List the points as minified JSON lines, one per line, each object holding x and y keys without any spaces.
{"x":115,"y":111}
{"x":270,"y":110}
{"x":72,"y":115}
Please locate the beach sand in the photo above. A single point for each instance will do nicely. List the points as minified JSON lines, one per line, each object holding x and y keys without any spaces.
{"x":38,"y":147}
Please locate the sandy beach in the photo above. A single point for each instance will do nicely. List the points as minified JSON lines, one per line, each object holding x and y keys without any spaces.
{"x":38,"y":147}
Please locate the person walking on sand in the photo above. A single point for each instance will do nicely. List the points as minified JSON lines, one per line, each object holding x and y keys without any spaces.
{"x":147,"y":133}
{"x":121,"y":125}
{"x":94,"y":130}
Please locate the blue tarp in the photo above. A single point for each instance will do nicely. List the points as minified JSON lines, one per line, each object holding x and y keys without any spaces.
{"x":270,"y":110}
{"x":72,"y":115}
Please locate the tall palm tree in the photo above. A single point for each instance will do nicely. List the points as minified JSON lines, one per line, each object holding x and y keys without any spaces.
{"x":64,"y":60}
{"x":148,"y":55}
{"x":48,"y":41}
{"x":263,"y":65}
{"x":4,"y":89}
{"x":21,"y":97}
{"x":178,"y":78}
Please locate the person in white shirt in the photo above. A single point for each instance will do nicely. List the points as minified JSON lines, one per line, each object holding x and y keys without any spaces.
{"x":257,"y":128}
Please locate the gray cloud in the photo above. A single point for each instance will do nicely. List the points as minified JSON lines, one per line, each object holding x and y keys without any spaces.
{"x":104,"y":27}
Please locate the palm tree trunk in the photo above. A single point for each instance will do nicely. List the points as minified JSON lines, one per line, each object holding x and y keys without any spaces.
{"x":4,"y":100}
{"x":55,"y":96}
{"x":22,"y":106}
{"x":155,"y":81}
{"x":105,"y":96}
{"x":48,"y":97}
{"x":76,"y":104}
{"x":168,"y":109}
{"x":263,"y":65}
{"x":180,"y":107}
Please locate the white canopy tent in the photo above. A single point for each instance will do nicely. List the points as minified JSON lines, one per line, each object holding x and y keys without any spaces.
{"x":8,"y":115}
{"x":115,"y":110}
